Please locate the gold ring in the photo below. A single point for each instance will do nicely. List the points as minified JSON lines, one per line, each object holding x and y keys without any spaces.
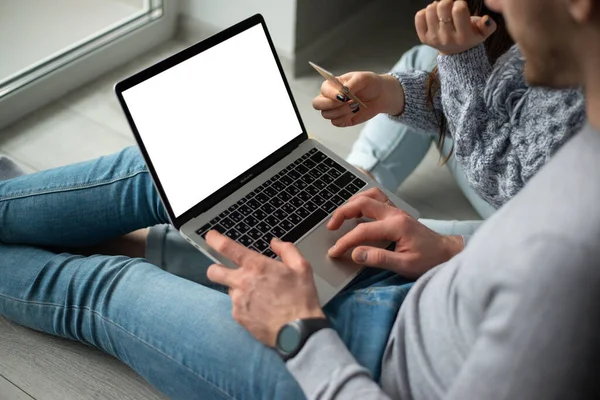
{"x":445,"y":21}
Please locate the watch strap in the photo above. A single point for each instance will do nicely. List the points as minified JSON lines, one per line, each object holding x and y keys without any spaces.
{"x":307,"y":328}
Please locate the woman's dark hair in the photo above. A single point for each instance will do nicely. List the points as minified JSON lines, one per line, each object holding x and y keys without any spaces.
{"x":496,"y":45}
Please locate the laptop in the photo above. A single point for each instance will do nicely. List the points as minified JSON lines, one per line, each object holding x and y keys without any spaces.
{"x":224,"y":142}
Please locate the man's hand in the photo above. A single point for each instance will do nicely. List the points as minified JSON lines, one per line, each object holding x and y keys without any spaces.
{"x":418,"y":248}
{"x":266,"y":294}
{"x":448,"y":26}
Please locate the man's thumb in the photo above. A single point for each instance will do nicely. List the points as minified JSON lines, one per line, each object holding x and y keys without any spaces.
{"x":485,"y":25}
{"x":379,"y":258}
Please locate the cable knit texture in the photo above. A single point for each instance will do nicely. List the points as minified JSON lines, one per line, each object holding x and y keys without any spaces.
{"x":504,"y":130}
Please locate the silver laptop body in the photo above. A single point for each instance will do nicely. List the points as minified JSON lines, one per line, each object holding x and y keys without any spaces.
{"x":227,"y":150}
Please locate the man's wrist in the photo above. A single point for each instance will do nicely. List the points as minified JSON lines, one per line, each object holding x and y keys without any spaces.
{"x":393,"y":95}
{"x":311,"y":313}
{"x":292,"y":336}
{"x":453,"y":244}
{"x":307,"y":313}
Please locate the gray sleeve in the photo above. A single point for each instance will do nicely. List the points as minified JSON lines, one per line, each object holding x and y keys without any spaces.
{"x":421,"y":112}
{"x":325,"y":369}
{"x":539,"y":338}
{"x":503,"y":130}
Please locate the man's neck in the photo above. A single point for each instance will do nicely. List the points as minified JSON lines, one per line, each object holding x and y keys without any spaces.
{"x":592,"y":91}
{"x":593,"y":103}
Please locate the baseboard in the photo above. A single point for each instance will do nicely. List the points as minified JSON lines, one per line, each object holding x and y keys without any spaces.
{"x":354,"y":27}
{"x":191,"y":30}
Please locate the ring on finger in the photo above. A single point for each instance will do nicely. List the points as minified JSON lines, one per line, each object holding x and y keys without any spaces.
{"x":445,"y":20}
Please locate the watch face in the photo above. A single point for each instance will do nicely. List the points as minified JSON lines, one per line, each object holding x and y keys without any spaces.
{"x":288,"y":339}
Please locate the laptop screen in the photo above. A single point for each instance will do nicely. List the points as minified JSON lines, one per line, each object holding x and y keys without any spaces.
{"x":210,"y":118}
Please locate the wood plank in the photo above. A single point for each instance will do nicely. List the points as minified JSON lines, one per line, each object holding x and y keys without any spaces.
{"x":51,"y":368}
{"x":8,"y":391}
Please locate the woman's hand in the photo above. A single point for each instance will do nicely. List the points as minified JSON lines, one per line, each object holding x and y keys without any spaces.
{"x":380,"y":93}
{"x":448,"y":26}
{"x":418,"y":248}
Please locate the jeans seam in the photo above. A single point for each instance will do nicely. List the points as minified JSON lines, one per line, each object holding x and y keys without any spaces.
{"x":363,"y":296}
{"x":72,"y":187}
{"x":87,"y":309}
{"x":385,"y":303}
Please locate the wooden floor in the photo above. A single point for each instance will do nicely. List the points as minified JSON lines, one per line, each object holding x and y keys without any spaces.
{"x":34,"y":365}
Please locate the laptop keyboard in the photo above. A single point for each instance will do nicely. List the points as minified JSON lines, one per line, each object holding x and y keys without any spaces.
{"x":289,"y":204}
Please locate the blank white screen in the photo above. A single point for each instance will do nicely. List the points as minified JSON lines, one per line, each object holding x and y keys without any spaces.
{"x":210,"y":118}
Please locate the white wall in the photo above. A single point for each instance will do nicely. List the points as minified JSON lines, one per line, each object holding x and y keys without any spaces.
{"x":279,"y":14}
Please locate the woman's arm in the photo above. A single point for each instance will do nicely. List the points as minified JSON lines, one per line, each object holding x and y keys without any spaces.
{"x":449,"y":28}
{"x":503,"y":130}
{"x":422,"y":107}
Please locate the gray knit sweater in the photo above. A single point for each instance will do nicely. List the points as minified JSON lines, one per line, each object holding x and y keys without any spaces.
{"x":504,"y":131}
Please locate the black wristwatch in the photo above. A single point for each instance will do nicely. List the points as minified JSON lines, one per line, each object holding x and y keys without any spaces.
{"x":293,"y":335}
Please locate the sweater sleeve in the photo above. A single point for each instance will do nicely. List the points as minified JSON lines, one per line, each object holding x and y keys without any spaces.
{"x":504,"y":131}
{"x":325,"y":369}
{"x":421,"y":112}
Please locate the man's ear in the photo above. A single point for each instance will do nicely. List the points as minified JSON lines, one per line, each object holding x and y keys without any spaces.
{"x":583,"y":10}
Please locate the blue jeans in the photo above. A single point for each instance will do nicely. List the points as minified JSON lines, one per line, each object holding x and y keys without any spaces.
{"x":177,"y":334}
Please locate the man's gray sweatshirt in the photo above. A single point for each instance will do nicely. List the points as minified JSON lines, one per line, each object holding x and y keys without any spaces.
{"x":514,"y":316}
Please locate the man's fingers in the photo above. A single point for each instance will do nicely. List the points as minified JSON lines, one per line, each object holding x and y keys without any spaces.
{"x":360,"y":207}
{"x":378,"y":258}
{"x":365,"y":232}
{"x":237,"y":253}
{"x":373,"y":193}
{"x":290,"y":255}
{"x":222,"y":275}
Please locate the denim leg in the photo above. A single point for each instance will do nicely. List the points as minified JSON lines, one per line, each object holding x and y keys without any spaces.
{"x":364,"y":314}
{"x":387,"y":148}
{"x":166,"y":249}
{"x":81,"y":204}
{"x":176,"y":334}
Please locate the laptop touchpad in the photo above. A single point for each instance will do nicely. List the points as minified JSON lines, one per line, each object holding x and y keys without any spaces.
{"x":334,"y":271}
